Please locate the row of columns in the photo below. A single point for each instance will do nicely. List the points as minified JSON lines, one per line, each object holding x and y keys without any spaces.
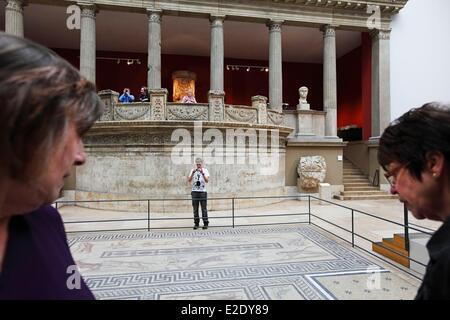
{"x":380,"y":61}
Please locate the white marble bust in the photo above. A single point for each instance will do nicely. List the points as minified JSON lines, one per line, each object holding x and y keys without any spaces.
{"x":302,"y":102}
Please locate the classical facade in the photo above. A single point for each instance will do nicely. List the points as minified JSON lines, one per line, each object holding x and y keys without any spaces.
{"x":314,"y":132}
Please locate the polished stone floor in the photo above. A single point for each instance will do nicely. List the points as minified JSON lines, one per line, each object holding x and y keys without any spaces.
{"x":261,"y":262}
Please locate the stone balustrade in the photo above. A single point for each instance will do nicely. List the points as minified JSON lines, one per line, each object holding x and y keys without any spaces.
{"x":215,"y":110}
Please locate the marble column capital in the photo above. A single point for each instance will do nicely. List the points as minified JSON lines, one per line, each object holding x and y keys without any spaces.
{"x":16,"y":5}
{"x":328,"y":30}
{"x":380,"y":34}
{"x":275,"y":25}
{"x":216,"y":19}
{"x":88,"y":10}
{"x":154,"y":15}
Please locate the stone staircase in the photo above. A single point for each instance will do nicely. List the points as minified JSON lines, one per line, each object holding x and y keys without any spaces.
{"x":358,"y":187}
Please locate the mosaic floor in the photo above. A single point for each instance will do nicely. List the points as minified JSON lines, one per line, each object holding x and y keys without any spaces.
{"x":277,"y":262}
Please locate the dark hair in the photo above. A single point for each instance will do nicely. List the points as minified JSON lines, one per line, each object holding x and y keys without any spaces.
{"x":415,"y":134}
{"x":41,"y":94}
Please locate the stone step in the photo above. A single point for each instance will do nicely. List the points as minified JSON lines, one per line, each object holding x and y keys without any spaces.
{"x":346,"y":181}
{"x":358,"y":184}
{"x":345,"y":171}
{"x":376,"y":197}
{"x":346,"y":188}
{"x":354,"y":176}
{"x":363,"y":193}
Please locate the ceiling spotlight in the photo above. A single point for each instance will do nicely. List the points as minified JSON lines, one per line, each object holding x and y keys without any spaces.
{"x":118,"y":61}
{"x":130,"y":61}
{"x":228,"y":67}
{"x":248,"y":69}
{"x":267,"y":69}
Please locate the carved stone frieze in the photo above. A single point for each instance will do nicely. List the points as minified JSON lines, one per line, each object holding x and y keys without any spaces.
{"x":248,"y":115}
{"x":187,"y":112}
{"x":127,"y":139}
{"x":131,"y":112}
{"x":276,"y":118}
{"x":312,"y":171}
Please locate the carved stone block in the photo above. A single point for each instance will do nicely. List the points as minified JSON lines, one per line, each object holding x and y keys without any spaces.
{"x":158,"y":102}
{"x":109,"y":99}
{"x":132,"y":111}
{"x":239,"y":114}
{"x":312,"y":171}
{"x":216,"y":105}
{"x":187,"y":112}
{"x":260,"y":103}
{"x":275,"y":117}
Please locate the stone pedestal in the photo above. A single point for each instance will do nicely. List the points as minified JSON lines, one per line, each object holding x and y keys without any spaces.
{"x":216,"y":105}
{"x":260,"y":103}
{"x":324,"y":193}
{"x":158,"y":103}
{"x":310,"y":123}
{"x":109,"y":98}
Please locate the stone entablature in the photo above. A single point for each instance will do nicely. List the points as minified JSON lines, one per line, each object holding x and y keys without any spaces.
{"x":343,"y":13}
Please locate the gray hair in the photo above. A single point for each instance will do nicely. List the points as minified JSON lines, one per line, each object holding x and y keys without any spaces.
{"x":198,"y":160}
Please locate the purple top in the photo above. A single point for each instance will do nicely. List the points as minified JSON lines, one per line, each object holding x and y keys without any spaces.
{"x":37,"y":262}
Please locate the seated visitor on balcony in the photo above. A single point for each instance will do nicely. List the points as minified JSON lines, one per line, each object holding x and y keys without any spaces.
{"x":144,"y":95}
{"x":126,"y":96}
{"x":188,"y":98}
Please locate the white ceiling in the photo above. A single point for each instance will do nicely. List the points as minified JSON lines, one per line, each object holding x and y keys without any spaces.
{"x":127,"y":32}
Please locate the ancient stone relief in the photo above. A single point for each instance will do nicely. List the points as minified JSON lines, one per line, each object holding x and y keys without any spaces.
{"x":187,"y":112}
{"x":312,"y":171}
{"x":131,"y":112}
{"x":241,"y":115}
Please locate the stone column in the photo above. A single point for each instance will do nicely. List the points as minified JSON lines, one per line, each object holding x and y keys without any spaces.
{"x":381,"y":93}
{"x":216,"y":103}
{"x":154,"y":49}
{"x":275,"y":66}
{"x":217,"y":55}
{"x":260,"y":103}
{"x":87,"y":42}
{"x":14,"y":17}
{"x":329,"y":81}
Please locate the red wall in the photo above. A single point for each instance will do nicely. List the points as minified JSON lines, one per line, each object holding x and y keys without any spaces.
{"x":366,"y":84}
{"x":349,"y":111}
{"x":239,"y":86}
{"x":354,"y":87}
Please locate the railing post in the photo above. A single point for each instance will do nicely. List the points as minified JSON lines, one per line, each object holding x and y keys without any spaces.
{"x":309,"y":208}
{"x":353,"y":228}
{"x":232,"y":210}
{"x":148,"y":215}
{"x":405,"y":215}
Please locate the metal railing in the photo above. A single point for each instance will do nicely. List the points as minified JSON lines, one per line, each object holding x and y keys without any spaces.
{"x":234,"y":217}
